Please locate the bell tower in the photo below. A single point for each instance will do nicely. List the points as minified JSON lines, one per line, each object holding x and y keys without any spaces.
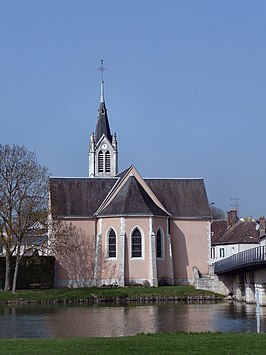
{"x":103,"y":152}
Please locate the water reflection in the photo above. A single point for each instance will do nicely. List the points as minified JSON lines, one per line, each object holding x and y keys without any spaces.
{"x":35,"y":321}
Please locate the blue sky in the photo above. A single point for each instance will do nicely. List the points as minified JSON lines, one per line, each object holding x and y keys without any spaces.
{"x":185,"y":88}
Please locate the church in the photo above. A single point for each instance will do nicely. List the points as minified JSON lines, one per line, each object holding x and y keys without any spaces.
{"x":131,"y":230}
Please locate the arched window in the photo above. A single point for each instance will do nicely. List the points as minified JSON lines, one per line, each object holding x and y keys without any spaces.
{"x":159,"y":244}
{"x":222,"y":254}
{"x":100,"y":162}
{"x":107,"y":162}
{"x":136,"y":244}
{"x":213,"y":253}
{"x":111,"y":244}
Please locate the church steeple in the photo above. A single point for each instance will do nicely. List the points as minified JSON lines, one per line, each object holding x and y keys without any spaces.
{"x":103,"y":146}
{"x":102,"y":91}
{"x":102,"y":126}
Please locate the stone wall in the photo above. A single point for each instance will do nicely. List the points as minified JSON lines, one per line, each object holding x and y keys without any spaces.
{"x":211,"y":282}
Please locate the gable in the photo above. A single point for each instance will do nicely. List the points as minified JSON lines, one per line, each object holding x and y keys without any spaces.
{"x":141,"y":187}
{"x":132,"y":199}
{"x":104,"y":140}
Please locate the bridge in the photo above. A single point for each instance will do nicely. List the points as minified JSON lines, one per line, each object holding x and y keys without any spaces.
{"x":244,"y":275}
{"x":251,"y":259}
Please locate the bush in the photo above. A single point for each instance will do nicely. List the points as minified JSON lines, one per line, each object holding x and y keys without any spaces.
{"x":32,"y":270}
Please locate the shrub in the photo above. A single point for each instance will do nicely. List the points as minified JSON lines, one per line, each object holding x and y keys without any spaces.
{"x":32,"y":270}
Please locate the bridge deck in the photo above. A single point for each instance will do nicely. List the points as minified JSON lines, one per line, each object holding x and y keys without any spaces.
{"x":252,"y":258}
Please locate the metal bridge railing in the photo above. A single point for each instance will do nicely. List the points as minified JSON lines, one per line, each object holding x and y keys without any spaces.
{"x":240,"y":260}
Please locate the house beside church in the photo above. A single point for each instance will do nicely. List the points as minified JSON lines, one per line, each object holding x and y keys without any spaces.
{"x":234,"y":235}
{"x":131,"y":230}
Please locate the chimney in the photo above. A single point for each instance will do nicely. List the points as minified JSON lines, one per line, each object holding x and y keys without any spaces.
{"x":262,"y":226}
{"x":231,"y":217}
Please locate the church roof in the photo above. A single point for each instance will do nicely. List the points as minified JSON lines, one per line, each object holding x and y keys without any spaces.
{"x":102,"y":126}
{"x":132,"y":199}
{"x":78,"y":197}
{"x":183,"y":198}
{"x":124,"y":172}
{"x":81,"y":197}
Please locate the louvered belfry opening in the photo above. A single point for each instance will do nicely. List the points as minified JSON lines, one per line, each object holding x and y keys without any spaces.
{"x":107,"y":162}
{"x":100,"y":162}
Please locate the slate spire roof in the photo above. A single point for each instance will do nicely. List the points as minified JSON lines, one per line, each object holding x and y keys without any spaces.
{"x":102,"y":126}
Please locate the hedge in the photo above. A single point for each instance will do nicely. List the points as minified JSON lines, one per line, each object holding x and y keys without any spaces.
{"x":32,"y":270}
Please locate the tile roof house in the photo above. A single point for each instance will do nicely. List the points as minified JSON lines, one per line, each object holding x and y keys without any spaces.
{"x":132,"y":230}
{"x":235,"y":235}
{"x":34,"y":241}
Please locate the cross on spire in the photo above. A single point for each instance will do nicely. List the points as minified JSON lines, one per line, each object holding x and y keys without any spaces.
{"x":101,"y":69}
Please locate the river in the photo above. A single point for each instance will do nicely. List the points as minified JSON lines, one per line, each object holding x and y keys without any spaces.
{"x":59,"y":321}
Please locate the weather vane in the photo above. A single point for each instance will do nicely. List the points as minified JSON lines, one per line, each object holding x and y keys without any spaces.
{"x":102,"y":69}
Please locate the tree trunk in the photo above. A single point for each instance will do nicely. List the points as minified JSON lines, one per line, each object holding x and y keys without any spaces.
{"x":18,"y":257}
{"x":14,"y":286}
{"x":7,"y":280}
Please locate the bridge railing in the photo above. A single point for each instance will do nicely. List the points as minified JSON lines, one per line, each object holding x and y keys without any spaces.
{"x":240,"y":260}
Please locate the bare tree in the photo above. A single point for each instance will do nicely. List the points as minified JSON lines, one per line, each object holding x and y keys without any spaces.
{"x":217,"y":213}
{"x":63,"y":238}
{"x":23,"y":193}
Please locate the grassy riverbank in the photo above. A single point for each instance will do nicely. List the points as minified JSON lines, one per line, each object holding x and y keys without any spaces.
{"x":176,"y":343}
{"x":107,"y":294}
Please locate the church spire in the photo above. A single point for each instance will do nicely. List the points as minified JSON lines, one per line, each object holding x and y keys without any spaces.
{"x":102,"y":91}
{"x":103,"y":153}
{"x":102,"y":81}
{"x":102,"y":126}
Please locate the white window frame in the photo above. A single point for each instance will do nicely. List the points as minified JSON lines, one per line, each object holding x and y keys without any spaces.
{"x":109,"y":162}
{"x":142,"y":257}
{"x":100,"y":153}
{"x":107,"y":244}
{"x":213,"y":252}
{"x":162,"y":243}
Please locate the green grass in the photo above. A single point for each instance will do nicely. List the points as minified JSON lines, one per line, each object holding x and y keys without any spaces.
{"x":176,"y":343}
{"x":74,"y":294}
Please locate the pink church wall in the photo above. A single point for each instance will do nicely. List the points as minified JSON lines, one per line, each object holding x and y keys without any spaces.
{"x":162,"y":263}
{"x":109,"y":267}
{"x":137,"y":268}
{"x":190,"y":247}
{"x":78,"y":265}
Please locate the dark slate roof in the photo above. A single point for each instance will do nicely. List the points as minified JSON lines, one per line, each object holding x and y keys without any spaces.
{"x":123,"y":173}
{"x":239,"y":233}
{"x":132,"y":199}
{"x":183,"y":198}
{"x":81,"y":197}
{"x":78,"y":197}
{"x":102,"y":126}
{"x":218,"y":229}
